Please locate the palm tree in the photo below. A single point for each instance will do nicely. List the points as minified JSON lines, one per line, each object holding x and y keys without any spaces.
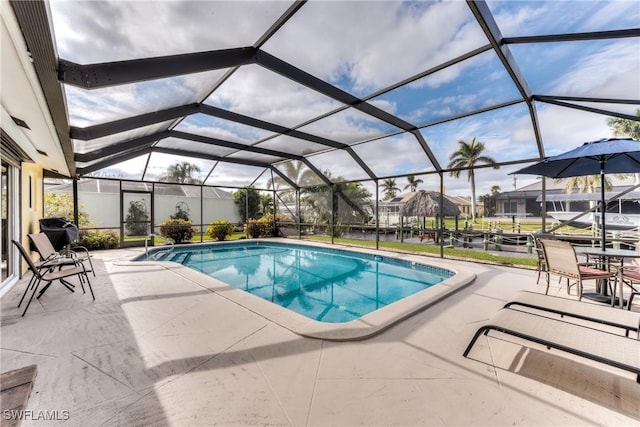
{"x":266,"y":204}
{"x":413,"y":183}
{"x":181,"y":173}
{"x":296,"y":171}
{"x":468,"y":156}
{"x":626,"y":127}
{"x":585,"y":184}
{"x":389,"y":188}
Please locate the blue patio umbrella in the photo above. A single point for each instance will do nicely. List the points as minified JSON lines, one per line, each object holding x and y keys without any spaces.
{"x":606,"y":156}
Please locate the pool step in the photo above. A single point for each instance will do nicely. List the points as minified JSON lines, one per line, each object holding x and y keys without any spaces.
{"x":181,"y":257}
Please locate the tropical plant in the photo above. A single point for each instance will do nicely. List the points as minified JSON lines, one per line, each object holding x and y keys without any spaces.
{"x":179,"y":230}
{"x":412,"y":183}
{"x":266,"y":205}
{"x":137,"y":219}
{"x":219,"y":230}
{"x":182,"y":173}
{"x":262,"y":227}
{"x":625,"y":127}
{"x":351,"y":203}
{"x":61,"y":204}
{"x":297,"y":172}
{"x":389,"y":188}
{"x":90,"y":239}
{"x":468,"y":156}
{"x":247,"y":200}
{"x":586,"y":184}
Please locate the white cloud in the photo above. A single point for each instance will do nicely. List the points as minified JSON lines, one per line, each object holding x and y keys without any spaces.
{"x":101,"y":31}
{"x":374,"y":44}
{"x":257,"y":92}
{"x":611,"y":70}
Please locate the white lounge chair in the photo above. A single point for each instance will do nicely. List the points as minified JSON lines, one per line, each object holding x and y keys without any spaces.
{"x":604,"y":347}
{"x":597,"y":313}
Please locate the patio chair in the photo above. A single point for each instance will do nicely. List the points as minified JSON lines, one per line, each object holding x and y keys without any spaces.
{"x":604,"y":347}
{"x":628,"y":275}
{"x":45,"y":249}
{"x":562,"y":261}
{"x":46,"y":272}
{"x":542,"y":263}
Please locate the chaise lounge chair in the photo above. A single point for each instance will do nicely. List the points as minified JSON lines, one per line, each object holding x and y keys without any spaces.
{"x":611,"y":349}
{"x":597,"y":313}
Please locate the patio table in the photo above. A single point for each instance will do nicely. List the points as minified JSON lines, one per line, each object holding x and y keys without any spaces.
{"x":606,"y":259}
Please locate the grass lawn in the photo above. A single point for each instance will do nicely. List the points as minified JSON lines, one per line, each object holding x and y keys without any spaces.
{"x":432,"y":250}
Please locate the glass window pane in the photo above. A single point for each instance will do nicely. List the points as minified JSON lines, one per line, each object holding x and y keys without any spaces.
{"x":596,"y":68}
{"x":263,"y":182}
{"x":204,"y":125}
{"x":408,"y":156}
{"x":80,"y":146}
{"x":233,"y":175}
{"x":91,"y":107}
{"x":338,"y":165}
{"x":349,"y":126}
{"x":255,"y":91}
{"x":297,"y":172}
{"x":563,"y":128}
{"x":539,"y":17}
{"x":362,"y":49}
{"x":471,"y":85}
{"x":506,"y":132}
{"x":289,"y":144}
{"x":195,"y":147}
{"x":629,"y":109}
{"x":129,"y":169}
{"x":179,"y":169}
{"x":255,"y":157}
{"x":137,"y":29}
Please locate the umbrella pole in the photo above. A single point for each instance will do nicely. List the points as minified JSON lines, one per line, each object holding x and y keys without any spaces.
{"x":603,"y":207}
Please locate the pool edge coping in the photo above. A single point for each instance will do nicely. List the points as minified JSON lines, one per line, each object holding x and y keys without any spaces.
{"x":367,"y":326}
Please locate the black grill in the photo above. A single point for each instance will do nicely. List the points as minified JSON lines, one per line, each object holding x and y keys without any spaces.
{"x":60,"y":231}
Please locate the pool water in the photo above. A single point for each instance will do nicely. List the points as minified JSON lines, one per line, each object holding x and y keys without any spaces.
{"x":327,"y":285}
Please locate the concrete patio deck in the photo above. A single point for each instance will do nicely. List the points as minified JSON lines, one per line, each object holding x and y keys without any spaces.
{"x":156,"y":348}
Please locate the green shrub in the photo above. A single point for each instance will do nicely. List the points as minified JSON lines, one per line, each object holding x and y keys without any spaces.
{"x":219,"y":230}
{"x":177,"y":229}
{"x":262,"y":227}
{"x":99,"y":239}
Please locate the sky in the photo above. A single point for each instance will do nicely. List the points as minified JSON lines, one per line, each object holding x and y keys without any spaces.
{"x":364,"y":49}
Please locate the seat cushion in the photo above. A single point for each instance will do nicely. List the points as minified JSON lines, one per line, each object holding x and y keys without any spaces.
{"x":593,"y":272}
{"x":632,"y":274}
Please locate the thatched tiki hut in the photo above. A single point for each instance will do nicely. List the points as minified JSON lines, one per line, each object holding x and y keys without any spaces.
{"x":427,"y":204}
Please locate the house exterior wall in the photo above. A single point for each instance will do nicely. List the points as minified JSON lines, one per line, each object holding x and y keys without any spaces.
{"x":31,"y":203}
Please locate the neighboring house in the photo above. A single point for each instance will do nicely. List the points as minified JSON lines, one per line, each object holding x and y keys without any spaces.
{"x":390,"y":209}
{"x":526,"y":201}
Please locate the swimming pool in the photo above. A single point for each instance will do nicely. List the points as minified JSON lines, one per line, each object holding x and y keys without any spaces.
{"x":359,"y":328}
{"x":327,"y":285}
